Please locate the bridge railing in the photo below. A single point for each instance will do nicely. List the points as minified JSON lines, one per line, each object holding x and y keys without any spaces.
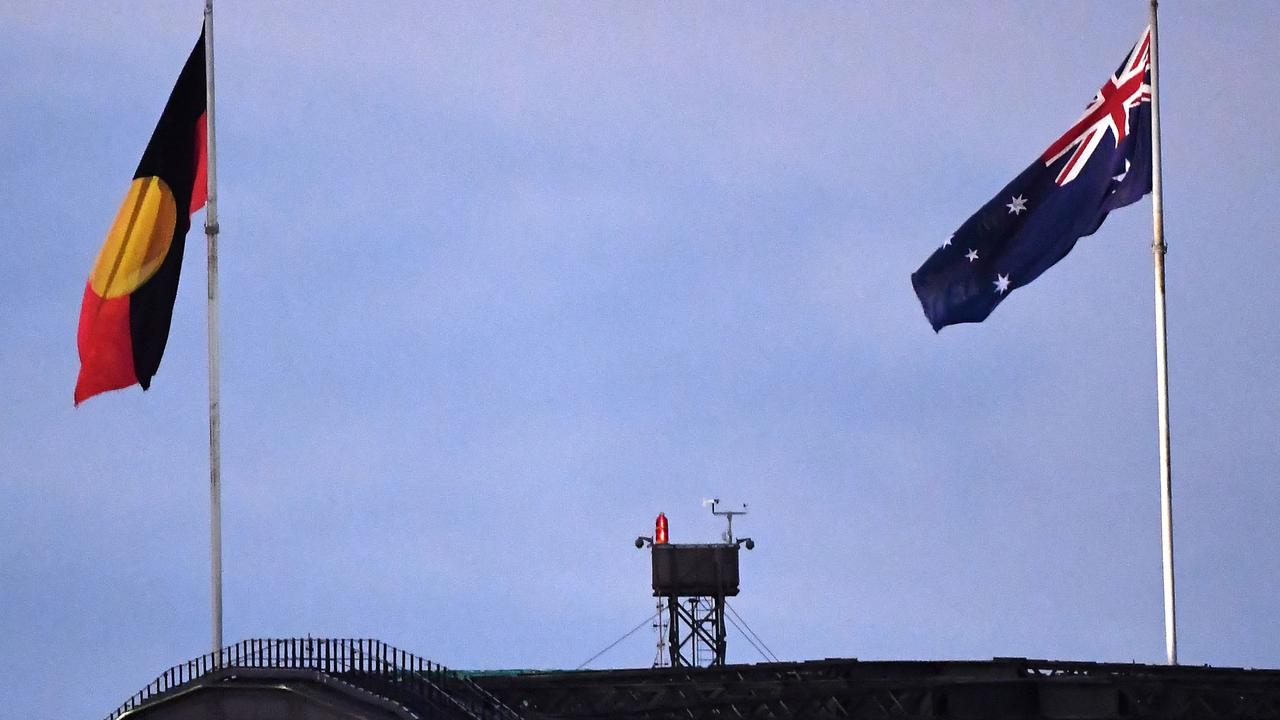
{"x":367,"y":663}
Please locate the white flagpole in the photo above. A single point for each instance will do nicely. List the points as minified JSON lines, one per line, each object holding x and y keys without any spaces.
{"x":215,"y":439}
{"x":1158,"y":249}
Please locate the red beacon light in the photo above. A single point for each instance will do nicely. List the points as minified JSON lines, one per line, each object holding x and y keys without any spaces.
{"x":660,"y":535}
{"x":660,"y":530}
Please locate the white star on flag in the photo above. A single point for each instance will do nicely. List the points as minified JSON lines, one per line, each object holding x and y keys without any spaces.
{"x":1121,"y":176}
{"x":1017,"y":206}
{"x":972,"y":254}
{"x":947,"y":242}
{"x":1002,"y":283}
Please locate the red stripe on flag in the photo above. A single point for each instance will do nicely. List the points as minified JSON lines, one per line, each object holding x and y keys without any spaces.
{"x":200,"y":187}
{"x":106,"y":347}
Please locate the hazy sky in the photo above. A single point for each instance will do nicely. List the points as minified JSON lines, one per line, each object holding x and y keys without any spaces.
{"x":501,"y":282}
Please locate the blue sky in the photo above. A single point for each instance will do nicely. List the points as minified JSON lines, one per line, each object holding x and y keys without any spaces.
{"x":501,"y":283}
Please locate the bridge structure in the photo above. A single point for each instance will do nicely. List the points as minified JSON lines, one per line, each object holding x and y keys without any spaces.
{"x":349,"y":679}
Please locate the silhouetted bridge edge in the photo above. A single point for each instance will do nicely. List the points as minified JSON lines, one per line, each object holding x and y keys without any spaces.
{"x":394,"y":683}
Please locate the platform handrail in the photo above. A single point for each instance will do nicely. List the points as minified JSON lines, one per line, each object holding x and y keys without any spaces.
{"x":393,"y":671}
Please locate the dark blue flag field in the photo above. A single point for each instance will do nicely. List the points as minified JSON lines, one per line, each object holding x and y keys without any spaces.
{"x":1102,"y":163}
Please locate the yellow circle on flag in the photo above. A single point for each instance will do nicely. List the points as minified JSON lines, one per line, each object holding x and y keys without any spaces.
{"x":138,"y":241}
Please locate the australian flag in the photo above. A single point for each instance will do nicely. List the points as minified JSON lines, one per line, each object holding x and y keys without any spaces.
{"x":1102,"y":163}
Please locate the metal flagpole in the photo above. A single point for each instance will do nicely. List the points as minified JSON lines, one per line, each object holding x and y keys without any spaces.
{"x":215,"y":440}
{"x":1158,"y":249}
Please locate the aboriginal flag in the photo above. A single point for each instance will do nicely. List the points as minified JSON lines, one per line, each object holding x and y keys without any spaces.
{"x":128,"y":301}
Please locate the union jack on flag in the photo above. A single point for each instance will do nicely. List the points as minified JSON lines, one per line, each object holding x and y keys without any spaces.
{"x":1109,"y":111}
{"x":1101,"y":163}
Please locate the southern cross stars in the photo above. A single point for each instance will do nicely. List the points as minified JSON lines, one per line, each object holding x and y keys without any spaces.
{"x":972,"y":254}
{"x":1002,"y":283}
{"x":1017,"y":205}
